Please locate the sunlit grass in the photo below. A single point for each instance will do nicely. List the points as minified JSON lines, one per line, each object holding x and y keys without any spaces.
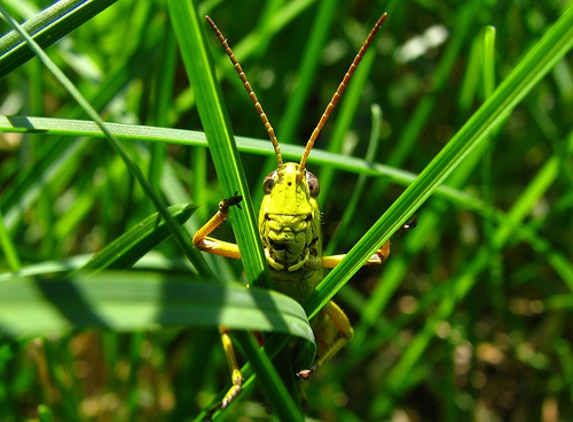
{"x":469,"y":306}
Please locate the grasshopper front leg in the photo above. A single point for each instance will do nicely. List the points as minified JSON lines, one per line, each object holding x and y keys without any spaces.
{"x":212,"y":245}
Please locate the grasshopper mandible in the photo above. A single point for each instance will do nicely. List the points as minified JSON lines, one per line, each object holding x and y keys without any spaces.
{"x":289,"y":225}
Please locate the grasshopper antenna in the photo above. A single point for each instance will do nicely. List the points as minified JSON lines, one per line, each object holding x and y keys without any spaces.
{"x":338,"y":93}
{"x":249,"y":88}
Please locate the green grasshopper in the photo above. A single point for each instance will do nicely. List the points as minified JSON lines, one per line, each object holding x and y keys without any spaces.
{"x":289,"y":225}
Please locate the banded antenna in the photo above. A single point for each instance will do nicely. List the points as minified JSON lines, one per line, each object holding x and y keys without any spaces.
{"x":338,"y":93}
{"x":325,"y":115}
{"x":252,"y":95}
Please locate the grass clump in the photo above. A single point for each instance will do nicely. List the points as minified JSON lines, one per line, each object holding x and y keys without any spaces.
{"x":460,"y":114}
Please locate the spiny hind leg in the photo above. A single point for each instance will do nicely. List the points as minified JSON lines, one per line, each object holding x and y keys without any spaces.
{"x":332,"y":331}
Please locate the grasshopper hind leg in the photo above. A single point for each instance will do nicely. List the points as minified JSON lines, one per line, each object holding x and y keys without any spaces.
{"x":332,"y":331}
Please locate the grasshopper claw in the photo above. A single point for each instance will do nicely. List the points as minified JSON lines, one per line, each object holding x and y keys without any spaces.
{"x":304,"y":374}
{"x":226,"y":203}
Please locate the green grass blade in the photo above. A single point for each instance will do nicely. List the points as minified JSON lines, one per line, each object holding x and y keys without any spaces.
{"x":458,"y":288}
{"x":8,"y":248}
{"x":142,"y":301}
{"x":49,"y":126}
{"x":126,"y":250}
{"x":275,"y":390}
{"x":46,"y":28}
{"x":190,"y":30}
{"x":538,"y":62}
{"x":192,"y":254}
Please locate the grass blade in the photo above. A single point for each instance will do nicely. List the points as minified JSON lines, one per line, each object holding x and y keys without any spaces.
{"x":539,"y":61}
{"x":190,"y":32}
{"x":142,"y":301}
{"x":46,"y":28}
{"x":197,"y":260}
{"x":126,"y":250}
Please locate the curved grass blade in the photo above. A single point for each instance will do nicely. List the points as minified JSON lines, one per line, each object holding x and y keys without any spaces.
{"x":191,"y":253}
{"x":69,"y":127}
{"x":122,"y":301}
{"x":131,"y":246}
{"x":46,"y":28}
{"x":537,"y":63}
{"x":190,"y":32}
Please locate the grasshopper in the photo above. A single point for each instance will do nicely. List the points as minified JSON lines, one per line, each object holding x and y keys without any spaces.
{"x":289,"y":225}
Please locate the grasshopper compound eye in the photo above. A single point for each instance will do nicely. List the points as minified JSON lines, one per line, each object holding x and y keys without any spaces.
{"x":269,"y":182}
{"x":313,"y":184}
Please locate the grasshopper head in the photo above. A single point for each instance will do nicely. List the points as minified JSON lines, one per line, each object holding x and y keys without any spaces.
{"x":289,"y":219}
{"x":288,"y":192}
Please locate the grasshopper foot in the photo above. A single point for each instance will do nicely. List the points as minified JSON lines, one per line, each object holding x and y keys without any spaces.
{"x":234,"y":390}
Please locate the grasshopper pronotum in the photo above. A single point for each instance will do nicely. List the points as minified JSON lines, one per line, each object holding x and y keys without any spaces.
{"x":289,"y":225}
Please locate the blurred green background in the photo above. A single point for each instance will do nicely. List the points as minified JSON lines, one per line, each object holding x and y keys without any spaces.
{"x":467,"y":320}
